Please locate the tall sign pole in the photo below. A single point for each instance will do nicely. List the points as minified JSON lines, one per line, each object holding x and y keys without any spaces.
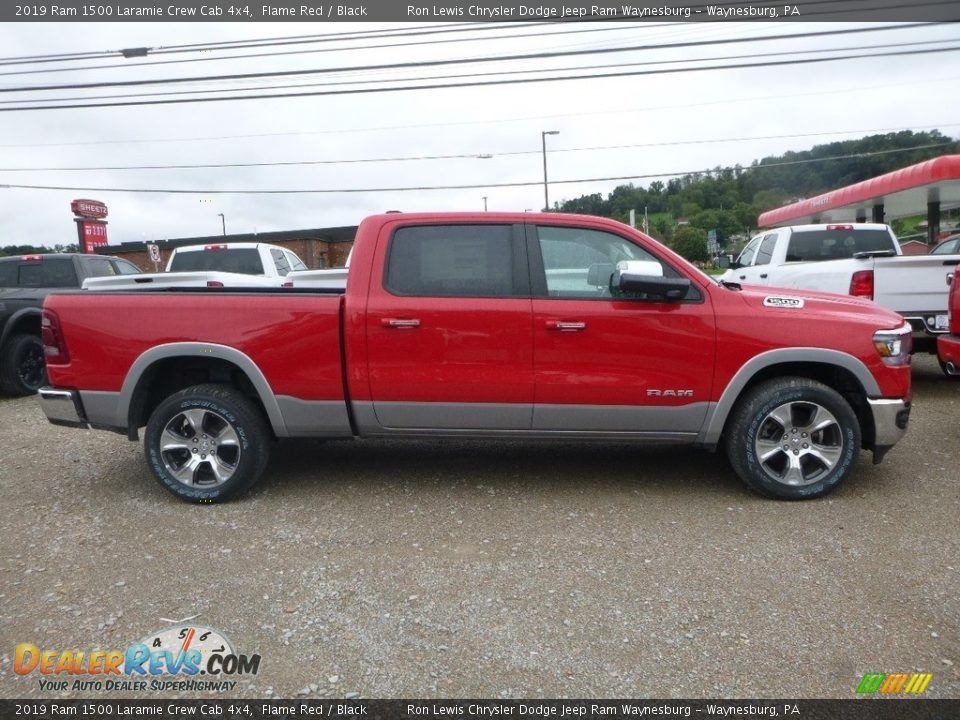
{"x":91,"y":227}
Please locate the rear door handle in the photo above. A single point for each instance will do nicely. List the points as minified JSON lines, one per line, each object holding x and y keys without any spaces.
{"x":764,"y":276}
{"x":566,"y":326}
{"x":400,"y":323}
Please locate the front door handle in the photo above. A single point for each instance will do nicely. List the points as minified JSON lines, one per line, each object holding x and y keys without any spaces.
{"x":743,"y":277}
{"x":400,"y":323}
{"x":763,"y":276}
{"x":566,"y":326}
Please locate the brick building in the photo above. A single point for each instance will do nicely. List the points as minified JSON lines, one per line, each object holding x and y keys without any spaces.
{"x":319,"y":248}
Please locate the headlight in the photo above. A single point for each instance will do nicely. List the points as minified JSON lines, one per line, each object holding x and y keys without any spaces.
{"x":894,"y":346}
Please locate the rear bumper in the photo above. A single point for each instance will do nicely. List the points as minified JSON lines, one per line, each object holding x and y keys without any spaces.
{"x":62,"y":407}
{"x":948,"y":350}
{"x":890,"y":419}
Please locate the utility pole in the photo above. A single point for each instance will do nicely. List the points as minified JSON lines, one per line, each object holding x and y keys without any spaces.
{"x":223,"y":223}
{"x":543,"y":141}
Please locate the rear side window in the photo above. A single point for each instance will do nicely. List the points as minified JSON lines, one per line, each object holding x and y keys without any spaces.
{"x":56,"y":272}
{"x":238,"y":260}
{"x":452,"y":260}
{"x":807,"y":245}
{"x":8,"y":274}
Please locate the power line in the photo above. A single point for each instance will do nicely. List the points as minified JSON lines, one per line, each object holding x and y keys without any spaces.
{"x":382,"y":46}
{"x":473,"y":186}
{"x":260,"y":42}
{"x":479,"y":83}
{"x":458,"y":61}
{"x":602,"y":111}
{"x":498,"y":73}
{"x":463,"y":156}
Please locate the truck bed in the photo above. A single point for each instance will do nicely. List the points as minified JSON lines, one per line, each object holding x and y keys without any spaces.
{"x":113,"y":335}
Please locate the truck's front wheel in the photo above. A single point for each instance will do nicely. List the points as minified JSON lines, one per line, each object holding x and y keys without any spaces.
{"x":207,"y":443}
{"x":793,"y":438}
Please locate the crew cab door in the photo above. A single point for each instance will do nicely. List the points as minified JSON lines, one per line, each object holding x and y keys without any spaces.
{"x":755,"y":258}
{"x":608,"y":364}
{"x":448,"y":329}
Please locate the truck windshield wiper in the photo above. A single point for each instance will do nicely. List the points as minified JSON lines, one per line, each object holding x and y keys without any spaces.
{"x":730,"y":285}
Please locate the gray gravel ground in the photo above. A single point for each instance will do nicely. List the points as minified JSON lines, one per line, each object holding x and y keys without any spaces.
{"x":497,"y":569}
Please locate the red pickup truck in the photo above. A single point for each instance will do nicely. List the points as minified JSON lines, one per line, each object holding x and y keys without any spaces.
{"x":511,"y":325}
{"x":948,"y":346}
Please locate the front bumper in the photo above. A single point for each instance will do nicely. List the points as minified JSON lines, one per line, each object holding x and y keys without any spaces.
{"x":890,"y":419}
{"x":62,"y":407}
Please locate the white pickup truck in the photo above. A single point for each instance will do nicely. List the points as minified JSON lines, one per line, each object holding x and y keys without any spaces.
{"x":862,"y":259}
{"x":214,"y":265}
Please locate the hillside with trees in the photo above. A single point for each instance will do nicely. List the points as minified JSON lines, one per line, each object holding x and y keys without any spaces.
{"x":728,"y":200}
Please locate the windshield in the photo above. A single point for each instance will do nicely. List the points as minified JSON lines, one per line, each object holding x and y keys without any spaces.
{"x":950,"y":246}
{"x":235,"y":260}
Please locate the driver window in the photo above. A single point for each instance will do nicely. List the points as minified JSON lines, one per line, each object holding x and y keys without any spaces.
{"x":746,"y":257}
{"x":579,"y":263}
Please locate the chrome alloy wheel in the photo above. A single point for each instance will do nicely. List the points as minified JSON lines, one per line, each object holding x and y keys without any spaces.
{"x":200,"y":448}
{"x":798,"y":443}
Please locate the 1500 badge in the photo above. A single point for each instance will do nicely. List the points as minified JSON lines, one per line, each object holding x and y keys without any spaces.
{"x":779,"y":301}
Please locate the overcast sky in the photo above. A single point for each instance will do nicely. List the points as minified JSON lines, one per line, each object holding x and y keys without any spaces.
{"x":660,"y":116}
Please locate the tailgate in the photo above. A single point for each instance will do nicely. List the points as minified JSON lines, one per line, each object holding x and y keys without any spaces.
{"x":914,"y":284}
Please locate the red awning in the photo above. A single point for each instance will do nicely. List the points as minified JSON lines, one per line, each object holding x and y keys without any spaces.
{"x":902,"y":193}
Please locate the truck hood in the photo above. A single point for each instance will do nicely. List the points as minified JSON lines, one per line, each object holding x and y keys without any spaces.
{"x":809,"y":302}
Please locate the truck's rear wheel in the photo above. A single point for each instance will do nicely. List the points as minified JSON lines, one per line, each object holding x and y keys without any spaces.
{"x":207,"y":443}
{"x":22,"y":370}
{"x":793,"y":438}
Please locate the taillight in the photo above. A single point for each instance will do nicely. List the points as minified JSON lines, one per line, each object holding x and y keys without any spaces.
{"x":220,"y":246}
{"x":861,"y":284}
{"x":953,"y":281}
{"x":839,"y":227}
{"x":54,"y":346}
{"x":31,"y":258}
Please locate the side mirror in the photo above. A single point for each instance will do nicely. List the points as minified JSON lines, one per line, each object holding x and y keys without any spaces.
{"x":644,"y":276}
{"x":724,"y":262}
{"x":598,"y":274}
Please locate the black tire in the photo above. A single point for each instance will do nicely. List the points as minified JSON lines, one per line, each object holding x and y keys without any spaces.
{"x":22,"y":369}
{"x":207,"y":443}
{"x":774,"y":443}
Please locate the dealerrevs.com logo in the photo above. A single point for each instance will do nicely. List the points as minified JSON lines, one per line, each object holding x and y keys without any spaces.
{"x":899,"y":683}
{"x":174,"y":658}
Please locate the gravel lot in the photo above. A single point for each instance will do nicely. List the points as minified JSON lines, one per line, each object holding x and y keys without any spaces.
{"x":423,"y":569}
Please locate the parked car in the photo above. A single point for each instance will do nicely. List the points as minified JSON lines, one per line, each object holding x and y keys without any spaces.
{"x":24,"y":282}
{"x":481,"y":325}
{"x":214,"y":265}
{"x":948,"y":246}
{"x":948,"y":346}
{"x":862,"y":259}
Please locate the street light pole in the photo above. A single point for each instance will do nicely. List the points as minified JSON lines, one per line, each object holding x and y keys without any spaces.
{"x":223,"y":223}
{"x":543,"y":141}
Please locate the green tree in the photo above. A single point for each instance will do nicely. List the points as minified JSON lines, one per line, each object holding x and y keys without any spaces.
{"x":691,"y":242}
